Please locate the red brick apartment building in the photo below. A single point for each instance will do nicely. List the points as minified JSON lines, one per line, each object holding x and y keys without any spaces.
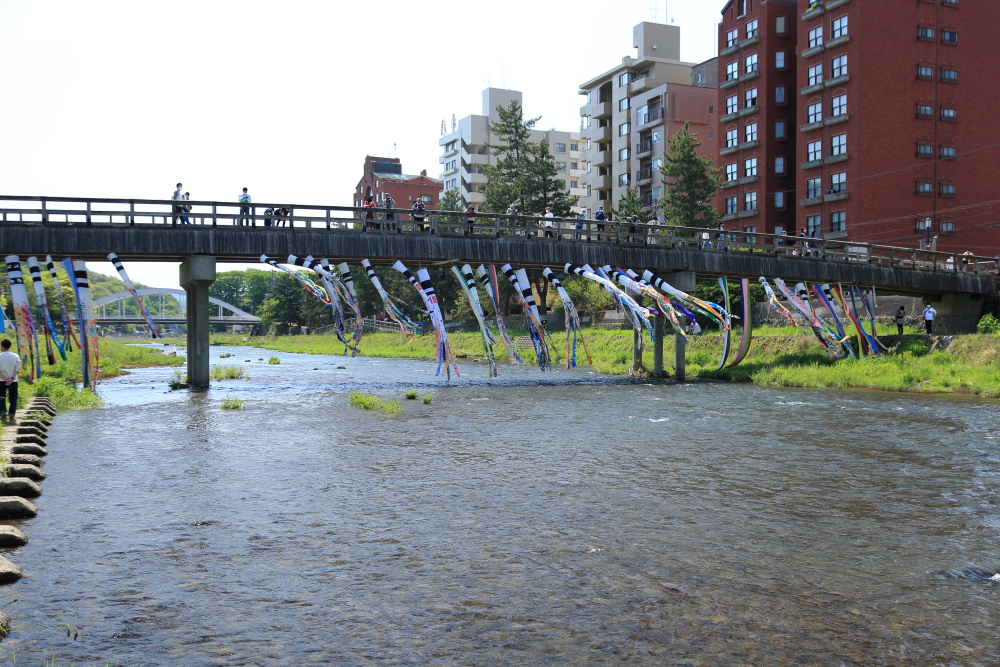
{"x":891,"y":134}
{"x":384,"y":175}
{"x":758,"y":100}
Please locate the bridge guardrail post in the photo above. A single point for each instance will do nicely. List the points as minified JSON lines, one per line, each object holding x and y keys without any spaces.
{"x":496,"y":226}
{"x":88,"y":213}
{"x":45,"y":213}
{"x":328,"y":218}
{"x":291,"y":217}
{"x":215,"y":215}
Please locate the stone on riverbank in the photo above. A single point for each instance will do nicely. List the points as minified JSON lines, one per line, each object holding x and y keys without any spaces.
{"x":36,"y":424}
{"x":31,"y":430}
{"x":20,"y":439}
{"x":21,"y":448}
{"x":15,"y":507}
{"x":11,"y":537}
{"x":27,"y":470}
{"x":38,"y":407}
{"x":9,"y":573}
{"x":19,"y":486}
{"x":26,"y":459}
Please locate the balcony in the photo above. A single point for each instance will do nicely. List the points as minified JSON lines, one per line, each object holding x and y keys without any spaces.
{"x":600,"y":110}
{"x":601,"y":182}
{"x":749,"y":110}
{"x":578,"y":192}
{"x":643,"y":147}
{"x":834,"y":43}
{"x":474,"y":178}
{"x":833,"y":4}
{"x":601,"y":159}
{"x":812,"y":50}
{"x":729,"y":50}
{"x":644,"y":174}
{"x":813,"y":13}
{"x":747,"y":179}
{"x":810,"y":201}
{"x":750,"y":75}
{"x":641,"y":85}
{"x":812,"y":164}
{"x":448,"y":152}
{"x":814,"y":88}
{"x":729,"y":150}
{"x":652,"y":116}
{"x":747,"y":214}
{"x":835,"y":196}
{"x":647,"y":200}
{"x":598,"y":134}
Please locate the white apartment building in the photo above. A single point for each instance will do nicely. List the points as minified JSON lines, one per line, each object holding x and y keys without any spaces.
{"x":464,"y":151}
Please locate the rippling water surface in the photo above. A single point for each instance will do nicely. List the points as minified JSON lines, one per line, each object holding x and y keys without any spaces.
{"x":571,"y":521}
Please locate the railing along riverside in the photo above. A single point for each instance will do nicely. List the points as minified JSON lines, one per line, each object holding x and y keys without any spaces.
{"x":104,"y":212}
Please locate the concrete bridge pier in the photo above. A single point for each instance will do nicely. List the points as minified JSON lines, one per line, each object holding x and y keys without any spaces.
{"x":684,"y":281}
{"x":197,"y":273}
{"x":659,"y":321}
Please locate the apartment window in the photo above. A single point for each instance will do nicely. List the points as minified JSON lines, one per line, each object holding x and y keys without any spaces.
{"x":946,"y":190}
{"x":814,"y":225}
{"x":711,"y":111}
{"x":925,"y":150}
{"x":750,"y":63}
{"x":948,"y":114}
{"x":840,"y":66}
{"x":751,"y":28}
{"x":624,"y":79}
{"x":574,"y":147}
{"x":816,"y":36}
{"x":838,"y":182}
{"x":586,"y":122}
{"x":779,"y":165}
{"x":711,"y":135}
{"x":751,"y":98}
{"x":779,"y":200}
{"x":623,"y":154}
{"x":925,"y":72}
{"x":949,"y":2}
{"x":625,"y":179}
{"x":925,"y":33}
{"x":923,"y":224}
{"x":731,"y":172}
{"x":838,"y":221}
{"x":947,"y":227}
{"x":751,"y":132}
{"x":657,"y":192}
{"x":814,"y":150}
{"x":623,"y":104}
{"x":743,"y":7}
{"x":923,"y":188}
{"x":839,"y":105}
{"x":574,"y":184}
{"x":750,"y":201}
{"x":949,"y":37}
{"x":732,"y":104}
{"x":814,"y":187}
{"x":730,"y":205}
{"x":816,"y":74}
{"x":574,"y":165}
{"x":426,"y":198}
{"x":779,"y":60}
{"x":732,"y":71}
{"x":560,"y":148}
{"x":732,"y":138}
{"x":780,"y":25}
{"x":947,"y":152}
{"x":657,"y":163}
{"x":950,"y":75}
{"x":624,"y":129}
{"x":924,"y":111}
{"x":840,"y":27}
{"x":750,"y":167}
{"x":839,"y":143}
{"x":732,"y":38}
{"x":561,"y":166}
{"x":779,"y":129}
{"x":589,"y":167}
{"x":590,"y":96}
{"x":816,"y":112}
{"x":656,"y":136}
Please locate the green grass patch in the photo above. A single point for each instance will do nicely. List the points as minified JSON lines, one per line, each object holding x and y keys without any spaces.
{"x":274,"y":360}
{"x":219,"y":373}
{"x":373,"y":403}
{"x":233,"y":404}
{"x":410,"y":394}
{"x":427,"y":399}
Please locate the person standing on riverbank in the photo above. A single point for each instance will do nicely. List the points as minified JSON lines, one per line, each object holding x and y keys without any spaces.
{"x":929,"y":314}
{"x":10,"y":366}
{"x":900,"y":318}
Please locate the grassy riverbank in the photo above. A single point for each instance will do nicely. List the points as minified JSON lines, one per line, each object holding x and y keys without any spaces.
{"x":58,"y":382}
{"x":779,"y":357}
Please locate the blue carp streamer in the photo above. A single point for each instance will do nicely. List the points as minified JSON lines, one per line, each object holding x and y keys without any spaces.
{"x":44,"y":320}
{"x":522,"y":289}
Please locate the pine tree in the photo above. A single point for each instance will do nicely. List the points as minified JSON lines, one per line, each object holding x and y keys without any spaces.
{"x":631,"y":204}
{"x":688,"y":202}
{"x":451,"y":201}
{"x":545,"y":188}
{"x":506,"y":181}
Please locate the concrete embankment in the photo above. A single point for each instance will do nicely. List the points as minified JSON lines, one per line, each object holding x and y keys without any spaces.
{"x":22,"y":448}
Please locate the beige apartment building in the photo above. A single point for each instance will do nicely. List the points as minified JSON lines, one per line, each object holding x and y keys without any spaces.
{"x":631,"y":110}
{"x":464,"y":151}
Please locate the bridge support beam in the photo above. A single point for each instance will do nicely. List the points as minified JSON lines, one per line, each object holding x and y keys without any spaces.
{"x":659,"y":321}
{"x":636,"y":349}
{"x":197,"y":273}
{"x":684,"y":281}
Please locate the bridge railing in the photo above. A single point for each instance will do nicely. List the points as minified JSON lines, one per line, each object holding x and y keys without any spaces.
{"x":57,"y":211}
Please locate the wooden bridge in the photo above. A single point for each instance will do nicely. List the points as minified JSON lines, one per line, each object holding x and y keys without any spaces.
{"x":155,"y":230}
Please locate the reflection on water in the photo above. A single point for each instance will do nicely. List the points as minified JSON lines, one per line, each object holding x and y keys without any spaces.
{"x":576,"y":520}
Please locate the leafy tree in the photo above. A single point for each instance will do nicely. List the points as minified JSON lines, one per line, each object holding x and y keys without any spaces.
{"x":243,"y":289}
{"x":692,"y":184}
{"x":451,"y":201}
{"x":588,"y":297}
{"x":631,"y":204}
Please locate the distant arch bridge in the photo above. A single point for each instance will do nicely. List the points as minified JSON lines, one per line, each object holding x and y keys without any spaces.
{"x":106,"y":315}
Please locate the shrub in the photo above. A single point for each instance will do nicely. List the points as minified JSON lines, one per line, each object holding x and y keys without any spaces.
{"x":427,"y":399}
{"x":411,"y":394}
{"x":65,"y":395}
{"x":233,"y":404}
{"x":274,"y":360}
{"x":229,"y":373}
{"x":988,"y":325}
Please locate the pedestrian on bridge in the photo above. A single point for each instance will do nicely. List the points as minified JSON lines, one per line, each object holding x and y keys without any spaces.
{"x":470,"y":218}
{"x":929,"y":314}
{"x":178,"y":196}
{"x":390,"y":217}
{"x":245,"y":210}
{"x":600,"y":217}
{"x":369,"y":205}
{"x":419,"y":213}
{"x":548,"y":222}
{"x":186,"y":208}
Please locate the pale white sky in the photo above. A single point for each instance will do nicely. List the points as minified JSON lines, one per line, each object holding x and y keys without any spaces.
{"x":125,"y":98}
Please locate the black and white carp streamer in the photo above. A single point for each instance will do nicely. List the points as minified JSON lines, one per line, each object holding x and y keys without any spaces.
{"x":334,"y":294}
{"x":44,"y":320}
{"x":68,"y":331}
{"x":348,"y":294}
{"x":153,"y":331}
{"x":425,"y":288}
{"x":406,"y":325}
{"x":488,"y":279}
{"x":636,"y":314}
{"x":572,"y":318}
{"x":640,"y":286}
{"x":468,"y":283}
{"x":527,"y":301}
{"x":707,"y":308}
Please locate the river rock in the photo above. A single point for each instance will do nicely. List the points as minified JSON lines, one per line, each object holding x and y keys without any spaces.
{"x":26,"y":459}
{"x":27,"y":448}
{"x":39,"y":407}
{"x":19,"y":486}
{"x":9,"y":573}
{"x":11,"y":537}
{"x":30,"y":430}
{"x":25,"y":470}
{"x":30,"y":439}
{"x":35,"y":423}
{"x":14,"y":507}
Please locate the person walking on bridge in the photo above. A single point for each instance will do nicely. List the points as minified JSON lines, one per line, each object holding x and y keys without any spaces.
{"x":390,"y":217}
{"x":419,"y":213}
{"x":178,"y":195}
{"x":600,"y":217}
{"x":245,"y":210}
{"x":470,"y":218}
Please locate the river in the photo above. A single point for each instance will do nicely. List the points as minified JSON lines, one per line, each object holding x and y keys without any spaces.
{"x":556,"y":519}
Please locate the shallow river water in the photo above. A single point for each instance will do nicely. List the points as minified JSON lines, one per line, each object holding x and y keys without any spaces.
{"x":575,"y":520}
